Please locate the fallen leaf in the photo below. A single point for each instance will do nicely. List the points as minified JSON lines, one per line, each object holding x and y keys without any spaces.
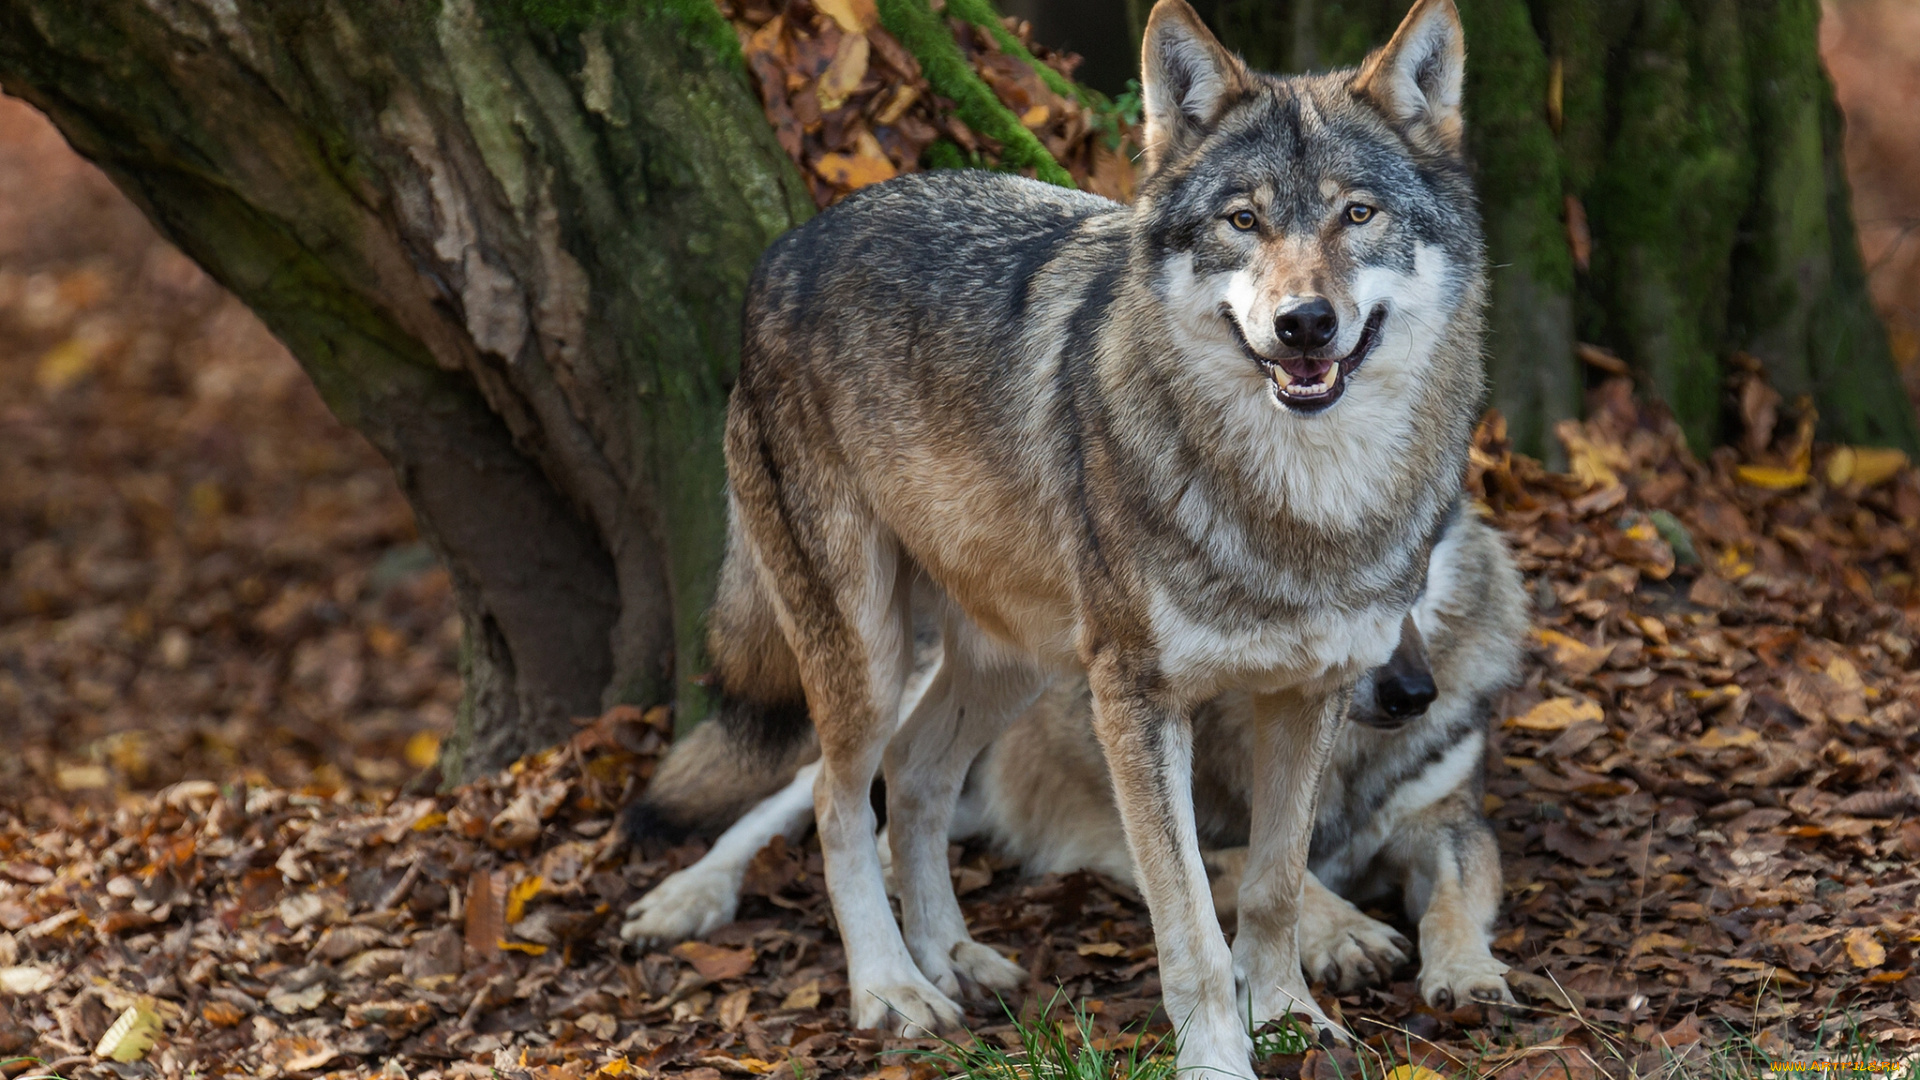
{"x":804,"y":996}
{"x":1101,"y":948}
{"x":1722,"y":738}
{"x":422,"y":750}
{"x":1772,"y":478}
{"x":25,"y":979}
{"x":1863,"y":949}
{"x":844,"y":72}
{"x":1577,"y":658}
{"x":732,"y":1008}
{"x":222,"y":1014}
{"x":852,"y":15}
{"x":131,"y":1035}
{"x":303,"y":999}
{"x":486,"y":922}
{"x":1554,"y":714}
{"x":523,"y":890}
{"x":714,"y":962}
{"x":855,"y":172}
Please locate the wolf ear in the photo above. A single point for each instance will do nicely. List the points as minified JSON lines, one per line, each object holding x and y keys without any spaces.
{"x":1415,"y":80}
{"x":1187,"y":80}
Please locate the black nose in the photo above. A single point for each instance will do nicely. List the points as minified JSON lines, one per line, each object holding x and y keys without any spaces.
{"x":1405,"y":695}
{"x":1308,"y":324}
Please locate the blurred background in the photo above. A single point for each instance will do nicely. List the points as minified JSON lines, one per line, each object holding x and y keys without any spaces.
{"x":205,"y":572}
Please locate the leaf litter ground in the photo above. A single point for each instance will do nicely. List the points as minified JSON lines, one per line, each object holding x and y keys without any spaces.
{"x":219,"y":646}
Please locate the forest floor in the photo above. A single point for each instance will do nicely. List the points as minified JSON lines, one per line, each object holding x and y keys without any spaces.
{"x":223,"y":651}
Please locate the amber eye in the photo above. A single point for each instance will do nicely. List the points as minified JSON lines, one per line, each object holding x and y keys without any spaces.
{"x":1359,"y":213}
{"x":1243,"y":220}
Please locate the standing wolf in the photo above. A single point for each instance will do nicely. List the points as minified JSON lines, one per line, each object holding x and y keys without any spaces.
{"x":1399,"y":808}
{"x":1198,"y":444}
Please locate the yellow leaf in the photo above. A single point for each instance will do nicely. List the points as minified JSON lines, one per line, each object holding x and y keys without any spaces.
{"x":527,"y":947}
{"x":423,"y":749}
{"x":1102,"y":948}
{"x":844,"y":72}
{"x":66,"y":363}
{"x":804,"y":996}
{"x":131,"y":1035}
{"x":1649,"y":942}
{"x":1863,"y":950}
{"x":619,"y":1066}
{"x":1874,"y":465}
{"x":1556,"y":714}
{"x":1570,"y":654}
{"x":430,"y":821}
{"x":853,"y":171}
{"x":1772,"y":478}
{"x":1413,"y":1072}
{"x":1592,"y":463}
{"x":523,"y":890}
{"x":1724,"y":738}
{"x":1036,"y":117}
{"x":853,"y":15}
{"x":81,"y":777}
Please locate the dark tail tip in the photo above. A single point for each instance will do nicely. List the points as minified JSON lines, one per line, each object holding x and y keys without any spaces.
{"x":770,"y":731}
{"x":643,"y":822}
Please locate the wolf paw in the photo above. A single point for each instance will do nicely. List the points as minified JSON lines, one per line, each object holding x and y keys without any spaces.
{"x":983,"y":967}
{"x":912,"y":1009}
{"x":1345,"y":949}
{"x":1448,"y":982}
{"x":690,"y":903}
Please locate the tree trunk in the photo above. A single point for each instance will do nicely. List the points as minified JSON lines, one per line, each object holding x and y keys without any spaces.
{"x":508,"y":240}
{"x":1700,"y":141}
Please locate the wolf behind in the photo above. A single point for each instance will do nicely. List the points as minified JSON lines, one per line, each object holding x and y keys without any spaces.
{"x":1198,"y":444}
{"x":1399,"y":810}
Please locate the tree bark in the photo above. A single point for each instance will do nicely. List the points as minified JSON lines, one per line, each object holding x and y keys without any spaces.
{"x":508,"y":240}
{"x":1700,"y":141}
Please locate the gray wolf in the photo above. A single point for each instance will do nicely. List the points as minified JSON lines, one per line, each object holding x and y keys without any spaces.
{"x":1199,"y":443}
{"x":1399,"y":808}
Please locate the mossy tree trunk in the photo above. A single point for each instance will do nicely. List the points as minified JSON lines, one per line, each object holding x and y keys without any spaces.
{"x":1701,"y":141}
{"x":508,"y":240}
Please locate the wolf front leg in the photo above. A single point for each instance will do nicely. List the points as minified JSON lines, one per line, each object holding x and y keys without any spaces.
{"x":1148,"y":744}
{"x":1452,"y":866}
{"x":1294,"y":734}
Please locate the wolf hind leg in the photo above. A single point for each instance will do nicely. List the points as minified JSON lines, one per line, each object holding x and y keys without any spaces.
{"x":1452,"y":868}
{"x":976,"y":693}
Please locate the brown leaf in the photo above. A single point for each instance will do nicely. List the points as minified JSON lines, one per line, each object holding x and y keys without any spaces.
{"x":486,"y":923}
{"x":714,"y":962}
{"x":1562,"y":839}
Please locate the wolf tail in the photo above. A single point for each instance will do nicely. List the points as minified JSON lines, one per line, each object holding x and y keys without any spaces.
{"x":756,"y":739}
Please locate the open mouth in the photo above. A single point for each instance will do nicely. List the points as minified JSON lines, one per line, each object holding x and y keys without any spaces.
{"x":1316,"y":392}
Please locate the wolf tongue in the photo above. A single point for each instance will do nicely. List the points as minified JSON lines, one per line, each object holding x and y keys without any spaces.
{"x":1309,"y":370}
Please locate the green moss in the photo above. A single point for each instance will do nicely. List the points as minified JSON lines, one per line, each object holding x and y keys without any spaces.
{"x":926,"y":36}
{"x":698,"y":21}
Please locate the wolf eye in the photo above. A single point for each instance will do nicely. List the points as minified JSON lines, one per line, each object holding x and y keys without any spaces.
{"x":1243,"y":220}
{"x":1359,"y":213}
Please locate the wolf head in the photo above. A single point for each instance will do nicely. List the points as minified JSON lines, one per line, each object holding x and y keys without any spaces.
{"x":1314,"y":237}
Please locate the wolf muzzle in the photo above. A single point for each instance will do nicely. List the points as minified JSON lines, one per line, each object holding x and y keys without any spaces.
{"x":1397,"y":692}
